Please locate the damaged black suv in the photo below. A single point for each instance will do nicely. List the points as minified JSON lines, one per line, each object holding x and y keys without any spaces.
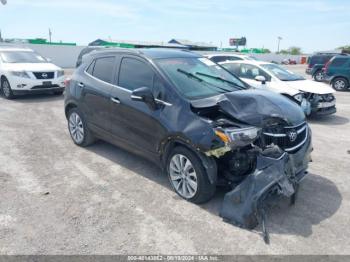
{"x":196,"y":120}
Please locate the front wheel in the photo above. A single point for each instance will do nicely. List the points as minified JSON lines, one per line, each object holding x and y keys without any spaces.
{"x":78,"y":129}
{"x":318,"y":76}
{"x":6,"y":89}
{"x":340,"y":84}
{"x":188,"y":176}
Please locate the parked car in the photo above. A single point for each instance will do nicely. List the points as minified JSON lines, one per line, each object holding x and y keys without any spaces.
{"x":23,"y":71}
{"x":337,"y":72}
{"x":221,"y":57}
{"x":85,"y":51}
{"x":316,"y":63}
{"x":315,"y":98}
{"x":289,"y":61}
{"x":200,"y":123}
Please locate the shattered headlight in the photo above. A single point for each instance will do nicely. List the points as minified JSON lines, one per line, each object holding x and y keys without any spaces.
{"x":22,"y":74}
{"x":238,"y":136}
{"x":299,"y":97}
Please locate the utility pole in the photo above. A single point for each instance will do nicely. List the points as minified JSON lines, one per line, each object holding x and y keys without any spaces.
{"x":50,"y":34}
{"x":279,"y":40}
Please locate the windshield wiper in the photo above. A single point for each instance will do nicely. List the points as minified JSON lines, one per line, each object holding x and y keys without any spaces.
{"x":221,"y":79}
{"x":190,"y":75}
{"x":201,"y":80}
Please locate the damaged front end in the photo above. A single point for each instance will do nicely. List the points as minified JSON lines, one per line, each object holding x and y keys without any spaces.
{"x":265,"y":154}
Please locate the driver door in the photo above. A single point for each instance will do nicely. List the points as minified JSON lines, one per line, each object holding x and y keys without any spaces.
{"x":133,"y":122}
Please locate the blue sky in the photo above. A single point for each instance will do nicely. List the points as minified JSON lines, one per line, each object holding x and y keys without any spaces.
{"x":312,"y":25}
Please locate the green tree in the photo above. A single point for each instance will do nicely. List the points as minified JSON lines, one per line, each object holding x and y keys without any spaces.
{"x":345,"y":49}
{"x":293,"y":50}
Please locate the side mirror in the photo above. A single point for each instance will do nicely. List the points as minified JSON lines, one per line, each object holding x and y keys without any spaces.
{"x":261,"y":79}
{"x":144,"y":94}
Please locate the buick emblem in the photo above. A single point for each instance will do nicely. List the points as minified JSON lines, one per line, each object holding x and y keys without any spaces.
{"x":44,"y":75}
{"x":292,"y":135}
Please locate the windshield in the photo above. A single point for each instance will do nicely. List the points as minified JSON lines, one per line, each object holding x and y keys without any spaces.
{"x":281,"y":73}
{"x":197,"y":78}
{"x":21,"y":57}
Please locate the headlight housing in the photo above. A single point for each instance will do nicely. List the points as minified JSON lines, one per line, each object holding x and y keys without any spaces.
{"x":22,"y":74}
{"x":299,"y":97}
{"x":238,"y":136}
{"x":60,"y":73}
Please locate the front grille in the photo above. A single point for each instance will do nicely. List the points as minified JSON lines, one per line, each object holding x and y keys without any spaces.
{"x":44,"y":75}
{"x":290,"y":139}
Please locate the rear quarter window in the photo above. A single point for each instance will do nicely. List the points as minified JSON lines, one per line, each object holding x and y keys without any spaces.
{"x":103,"y":68}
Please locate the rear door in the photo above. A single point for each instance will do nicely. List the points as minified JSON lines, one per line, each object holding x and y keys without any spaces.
{"x":133,"y":122}
{"x":95,"y":90}
{"x":339,"y":66}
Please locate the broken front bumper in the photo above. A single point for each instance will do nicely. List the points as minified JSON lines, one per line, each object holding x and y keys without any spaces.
{"x":272,"y":176}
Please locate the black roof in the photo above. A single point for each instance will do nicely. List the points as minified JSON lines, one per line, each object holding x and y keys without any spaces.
{"x":150,"y":53}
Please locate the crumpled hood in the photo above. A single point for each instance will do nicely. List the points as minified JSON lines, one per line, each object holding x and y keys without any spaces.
{"x":255,"y":107}
{"x":30,"y":67}
{"x":310,"y":86}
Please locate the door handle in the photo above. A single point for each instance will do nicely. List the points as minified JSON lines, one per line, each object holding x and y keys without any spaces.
{"x":81,"y":85}
{"x":115,"y":100}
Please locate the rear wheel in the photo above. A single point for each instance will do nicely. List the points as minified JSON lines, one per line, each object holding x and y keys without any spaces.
{"x":6,"y":89}
{"x":318,"y":76}
{"x":188,"y":176}
{"x":340,"y":84}
{"x":78,"y":129}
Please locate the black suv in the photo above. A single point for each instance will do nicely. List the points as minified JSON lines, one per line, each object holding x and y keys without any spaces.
{"x":197,"y":121}
{"x":316,"y":63}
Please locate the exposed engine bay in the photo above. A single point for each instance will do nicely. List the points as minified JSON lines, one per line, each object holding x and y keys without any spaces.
{"x":263,"y":154}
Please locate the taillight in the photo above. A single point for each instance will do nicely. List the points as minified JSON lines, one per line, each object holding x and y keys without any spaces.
{"x":67,"y":82}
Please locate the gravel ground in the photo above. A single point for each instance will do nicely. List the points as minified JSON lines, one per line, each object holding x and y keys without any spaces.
{"x":57,"y":198}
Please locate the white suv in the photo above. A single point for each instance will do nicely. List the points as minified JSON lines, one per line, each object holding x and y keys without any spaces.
{"x":24,"y":71}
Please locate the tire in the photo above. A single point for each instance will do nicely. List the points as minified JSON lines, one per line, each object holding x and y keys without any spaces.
{"x":78,"y":129}
{"x":318,"y":76}
{"x":58,"y":93}
{"x":6,"y":88}
{"x":340,"y":84}
{"x":188,"y":176}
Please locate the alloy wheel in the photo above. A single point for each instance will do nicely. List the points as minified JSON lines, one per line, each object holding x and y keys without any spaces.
{"x":76,"y":128}
{"x":183,"y":176}
{"x":339,"y":84}
{"x":6,"y":88}
{"x":319,"y":76}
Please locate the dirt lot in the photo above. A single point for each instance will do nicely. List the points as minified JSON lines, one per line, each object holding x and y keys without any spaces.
{"x":57,"y":198}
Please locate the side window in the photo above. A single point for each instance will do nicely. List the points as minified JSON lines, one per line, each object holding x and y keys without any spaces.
{"x":251,"y":71}
{"x":233,"y":68}
{"x":218,"y":59}
{"x":103,"y":69}
{"x":339,"y":61}
{"x":135,"y":74}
